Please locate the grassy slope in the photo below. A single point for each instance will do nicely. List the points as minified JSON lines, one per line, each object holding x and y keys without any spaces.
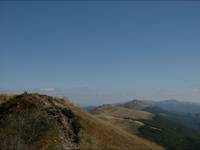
{"x":125,"y":118}
{"x":121,"y":112}
{"x":157,"y":128}
{"x":169,"y":134}
{"x":33,"y":121}
{"x":190,"y":120}
{"x":5,"y":97}
{"x":99,"y":134}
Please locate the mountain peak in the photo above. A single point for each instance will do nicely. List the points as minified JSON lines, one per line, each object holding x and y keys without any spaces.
{"x":136,"y":104}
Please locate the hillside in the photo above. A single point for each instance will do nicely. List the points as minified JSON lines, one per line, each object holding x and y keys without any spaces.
{"x":172,"y":130}
{"x":169,"y":105}
{"x":121,"y":112}
{"x":136,"y":104}
{"x":185,"y":113}
{"x":5,"y":97}
{"x":127,"y":119}
{"x":178,"y":106}
{"x":171,"y":135}
{"x":33,"y":121}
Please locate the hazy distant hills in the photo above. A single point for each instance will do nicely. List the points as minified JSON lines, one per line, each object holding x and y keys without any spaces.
{"x":169,"y":105}
{"x":178,"y":106}
{"x":173,"y":129}
{"x":185,"y":113}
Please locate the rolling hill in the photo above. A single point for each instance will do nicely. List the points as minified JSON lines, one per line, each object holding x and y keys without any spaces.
{"x":172,"y":130}
{"x":34,"y":121}
{"x":136,"y":104}
{"x":185,"y":113}
{"x":170,"y":134}
{"x":126,"y":119}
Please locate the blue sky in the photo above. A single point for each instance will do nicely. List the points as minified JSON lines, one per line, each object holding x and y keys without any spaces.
{"x":144,"y":48}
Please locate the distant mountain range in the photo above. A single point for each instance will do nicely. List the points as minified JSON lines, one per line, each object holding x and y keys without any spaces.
{"x":169,"y":123}
{"x":178,"y":106}
{"x":186,"y":113}
{"x":36,"y":121}
{"x":169,"y":105}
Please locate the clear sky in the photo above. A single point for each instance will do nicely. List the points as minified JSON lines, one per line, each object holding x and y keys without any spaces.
{"x":145,"y":48}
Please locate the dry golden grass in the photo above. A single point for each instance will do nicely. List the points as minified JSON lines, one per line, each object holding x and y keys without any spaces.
{"x":121,"y":112}
{"x":6,"y":96}
{"x":122,"y":117}
{"x":94,"y":134}
{"x":97,"y":134}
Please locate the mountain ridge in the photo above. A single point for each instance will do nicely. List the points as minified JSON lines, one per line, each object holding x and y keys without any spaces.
{"x":46,"y":122}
